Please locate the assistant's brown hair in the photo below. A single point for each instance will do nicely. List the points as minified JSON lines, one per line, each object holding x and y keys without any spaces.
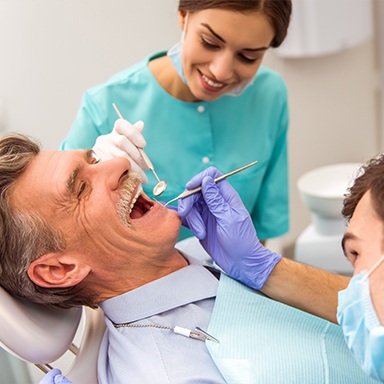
{"x":277,"y":11}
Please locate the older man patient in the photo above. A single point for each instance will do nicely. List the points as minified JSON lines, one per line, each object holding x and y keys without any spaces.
{"x":75,"y":231}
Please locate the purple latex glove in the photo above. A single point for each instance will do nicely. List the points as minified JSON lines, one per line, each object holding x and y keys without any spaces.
{"x":219,"y":219}
{"x":54,"y":377}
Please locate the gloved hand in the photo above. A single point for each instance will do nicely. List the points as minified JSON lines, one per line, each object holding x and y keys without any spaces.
{"x":219,"y":219}
{"x":122,"y":142}
{"x":54,"y":377}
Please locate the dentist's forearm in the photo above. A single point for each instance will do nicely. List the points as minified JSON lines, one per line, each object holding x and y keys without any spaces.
{"x":307,"y":288}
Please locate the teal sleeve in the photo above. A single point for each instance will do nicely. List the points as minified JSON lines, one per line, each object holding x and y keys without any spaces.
{"x":90,"y":123}
{"x":271,"y":213}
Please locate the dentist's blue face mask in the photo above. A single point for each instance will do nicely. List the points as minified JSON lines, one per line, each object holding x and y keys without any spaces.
{"x":362,"y":329}
{"x":176,"y":54}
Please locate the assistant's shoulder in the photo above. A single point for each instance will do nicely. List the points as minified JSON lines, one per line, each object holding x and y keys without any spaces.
{"x":267,"y":74}
{"x":270,"y":79}
{"x":136,"y":73}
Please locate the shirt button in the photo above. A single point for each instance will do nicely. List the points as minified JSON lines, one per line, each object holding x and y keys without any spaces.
{"x":205,"y":160}
{"x":200,"y":108}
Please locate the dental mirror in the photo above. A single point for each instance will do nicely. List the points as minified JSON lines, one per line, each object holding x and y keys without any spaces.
{"x":159,"y":188}
{"x":161,"y":185}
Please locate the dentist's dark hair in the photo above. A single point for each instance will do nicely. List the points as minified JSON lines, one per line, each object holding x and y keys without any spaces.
{"x":277,"y":11}
{"x":25,"y":235}
{"x":371,"y":178}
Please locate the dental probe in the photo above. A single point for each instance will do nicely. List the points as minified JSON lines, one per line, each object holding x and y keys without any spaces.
{"x":161,"y":185}
{"x":216,"y":180}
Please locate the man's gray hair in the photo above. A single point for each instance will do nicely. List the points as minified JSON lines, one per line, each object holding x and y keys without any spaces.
{"x":25,"y":235}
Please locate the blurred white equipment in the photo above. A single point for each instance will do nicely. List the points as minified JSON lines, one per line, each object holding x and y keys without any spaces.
{"x":322,"y":191}
{"x":320,"y":27}
{"x":41,"y":335}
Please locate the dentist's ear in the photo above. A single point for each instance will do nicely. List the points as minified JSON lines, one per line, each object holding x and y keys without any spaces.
{"x":58,"y":270}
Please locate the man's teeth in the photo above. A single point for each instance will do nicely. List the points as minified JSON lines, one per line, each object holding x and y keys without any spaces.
{"x":211,"y":83}
{"x":138,"y":193}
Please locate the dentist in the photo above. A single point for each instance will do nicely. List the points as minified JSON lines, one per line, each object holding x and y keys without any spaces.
{"x":218,"y":218}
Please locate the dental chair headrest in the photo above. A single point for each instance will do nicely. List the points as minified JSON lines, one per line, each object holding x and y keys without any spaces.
{"x":33,"y":332}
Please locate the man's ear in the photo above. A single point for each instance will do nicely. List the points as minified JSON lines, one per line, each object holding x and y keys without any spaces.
{"x":181,"y":16}
{"x":58,"y":270}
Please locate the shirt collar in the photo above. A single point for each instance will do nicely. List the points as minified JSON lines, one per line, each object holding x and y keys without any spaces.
{"x":187,"y":285}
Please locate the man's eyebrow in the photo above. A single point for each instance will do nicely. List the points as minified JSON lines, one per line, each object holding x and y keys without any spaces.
{"x":71,"y":181}
{"x":89,"y":155}
{"x":221,"y":39}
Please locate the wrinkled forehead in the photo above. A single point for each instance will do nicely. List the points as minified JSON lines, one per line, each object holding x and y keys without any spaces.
{"x":45,"y":178}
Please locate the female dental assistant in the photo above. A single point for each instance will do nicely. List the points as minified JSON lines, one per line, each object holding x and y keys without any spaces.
{"x":208,"y":101}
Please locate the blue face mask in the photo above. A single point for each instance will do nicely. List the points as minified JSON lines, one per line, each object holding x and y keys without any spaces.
{"x":362,"y":329}
{"x":176,"y":54}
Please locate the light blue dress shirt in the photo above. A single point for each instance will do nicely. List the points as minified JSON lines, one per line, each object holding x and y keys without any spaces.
{"x":185,"y":138}
{"x":150,"y":354}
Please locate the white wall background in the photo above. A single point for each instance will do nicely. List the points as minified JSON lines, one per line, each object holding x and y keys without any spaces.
{"x":335,"y":105}
{"x":334,"y":117}
{"x":52,"y":50}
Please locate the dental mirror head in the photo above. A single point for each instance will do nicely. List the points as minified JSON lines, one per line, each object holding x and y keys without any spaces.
{"x":159,"y":188}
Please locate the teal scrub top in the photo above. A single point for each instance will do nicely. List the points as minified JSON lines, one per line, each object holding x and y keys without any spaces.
{"x":184,"y":138}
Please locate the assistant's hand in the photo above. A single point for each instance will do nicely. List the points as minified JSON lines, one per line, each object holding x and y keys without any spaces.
{"x":219,"y":219}
{"x":122,"y":142}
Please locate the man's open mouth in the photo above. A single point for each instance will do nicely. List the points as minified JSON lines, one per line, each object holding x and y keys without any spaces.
{"x":133,"y":203}
{"x":139,"y":205}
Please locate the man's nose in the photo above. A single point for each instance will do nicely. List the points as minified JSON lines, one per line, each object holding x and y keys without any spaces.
{"x":222,"y":67}
{"x":112,"y":170}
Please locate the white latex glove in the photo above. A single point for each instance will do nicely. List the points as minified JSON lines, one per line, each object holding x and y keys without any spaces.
{"x":123,"y":142}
